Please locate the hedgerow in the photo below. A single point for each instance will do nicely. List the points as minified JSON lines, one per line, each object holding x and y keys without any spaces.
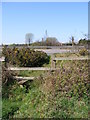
{"x":25,"y":57}
{"x":63,"y":93}
{"x":59,"y":94}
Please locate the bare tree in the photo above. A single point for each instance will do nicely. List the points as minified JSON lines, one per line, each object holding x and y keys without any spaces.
{"x":72,"y":40}
{"x":29,"y":37}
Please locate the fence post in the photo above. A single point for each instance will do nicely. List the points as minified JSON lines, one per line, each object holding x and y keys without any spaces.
{"x":53,"y":62}
{"x":5,"y":62}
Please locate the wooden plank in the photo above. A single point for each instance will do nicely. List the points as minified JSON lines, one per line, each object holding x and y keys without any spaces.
{"x":23,"y":78}
{"x":22,"y":82}
{"x":69,"y":58}
{"x":30,"y":68}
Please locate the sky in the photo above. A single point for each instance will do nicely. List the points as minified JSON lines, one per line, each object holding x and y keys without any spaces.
{"x":89,"y":20}
{"x":61,"y":20}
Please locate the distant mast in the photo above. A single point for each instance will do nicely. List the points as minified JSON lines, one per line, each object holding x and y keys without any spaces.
{"x":46,"y":35}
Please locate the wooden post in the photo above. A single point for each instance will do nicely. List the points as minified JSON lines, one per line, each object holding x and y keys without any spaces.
{"x":5,"y":62}
{"x":53,"y":62}
{"x":72,"y":44}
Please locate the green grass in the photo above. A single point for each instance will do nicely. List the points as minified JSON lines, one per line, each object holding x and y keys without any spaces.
{"x":36,"y":73}
{"x":36,"y":104}
{"x":30,"y":73}
{"x":61,"y":94}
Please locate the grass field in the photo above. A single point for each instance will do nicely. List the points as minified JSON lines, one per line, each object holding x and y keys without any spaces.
{"x":62,"y":93}
{"x":30,"y":73}
{"x":69,"y":55}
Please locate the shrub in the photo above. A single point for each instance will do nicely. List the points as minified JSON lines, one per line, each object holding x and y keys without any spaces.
{"x":7,"y":81}
{"x":70,"y":80}
{"x":83,"y":52}
{"x":58,"y":94}
{"x":25,"y":57}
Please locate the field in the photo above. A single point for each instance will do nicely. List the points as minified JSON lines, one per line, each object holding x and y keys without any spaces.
{"x":63,"y":93}
{"x":45,"y":60}
{"x":30,"y":73}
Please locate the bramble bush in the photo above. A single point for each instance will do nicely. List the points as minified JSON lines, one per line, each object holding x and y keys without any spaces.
{"x":71,"y":80}
{"x":25,"y":57}
{"x":83,"y":52}
{"x":59,"y":94}
{"x":62,"y":93}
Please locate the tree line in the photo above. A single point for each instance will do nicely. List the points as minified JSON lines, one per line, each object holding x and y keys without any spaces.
{"x":51,"y":41}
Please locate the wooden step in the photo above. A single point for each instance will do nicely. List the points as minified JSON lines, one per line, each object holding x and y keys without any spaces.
{"x":22,"y":80}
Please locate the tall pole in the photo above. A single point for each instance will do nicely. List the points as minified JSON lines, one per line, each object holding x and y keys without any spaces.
{"x":46,"y":34}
